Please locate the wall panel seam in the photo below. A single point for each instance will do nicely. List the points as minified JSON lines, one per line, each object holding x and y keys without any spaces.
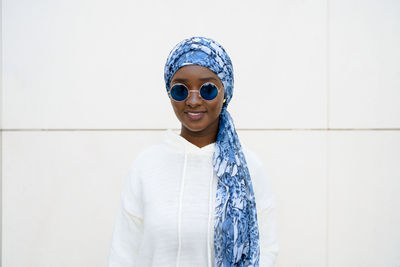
{"x":164,"y":129}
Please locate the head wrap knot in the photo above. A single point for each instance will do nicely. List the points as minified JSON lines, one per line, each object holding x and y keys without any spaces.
{"x":236,"y":234}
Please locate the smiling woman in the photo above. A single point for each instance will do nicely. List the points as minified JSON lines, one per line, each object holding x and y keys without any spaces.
{"x":191,"y":200}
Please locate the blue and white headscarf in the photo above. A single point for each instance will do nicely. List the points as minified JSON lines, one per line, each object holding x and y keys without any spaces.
{"x":236,"y":232}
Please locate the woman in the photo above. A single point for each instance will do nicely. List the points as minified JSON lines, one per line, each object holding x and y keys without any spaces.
{"x":189,"y":201}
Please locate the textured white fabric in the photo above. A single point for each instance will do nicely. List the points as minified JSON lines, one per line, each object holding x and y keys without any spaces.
{"x":167,"y":208}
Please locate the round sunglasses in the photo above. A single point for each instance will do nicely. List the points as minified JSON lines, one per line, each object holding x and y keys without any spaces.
{"x":179,"y":92}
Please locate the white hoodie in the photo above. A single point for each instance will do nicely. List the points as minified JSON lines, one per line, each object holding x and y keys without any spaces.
{"x":167,"y":208}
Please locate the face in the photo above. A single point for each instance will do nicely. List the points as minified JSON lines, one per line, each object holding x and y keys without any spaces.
{"x":198,"y":116}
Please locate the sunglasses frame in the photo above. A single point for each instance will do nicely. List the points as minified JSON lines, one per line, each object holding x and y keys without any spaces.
{"x":189,"y":91}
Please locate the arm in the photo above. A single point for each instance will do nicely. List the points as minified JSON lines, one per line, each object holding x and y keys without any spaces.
{"x":266,"y":214}
{"x":269,"y":247}
{"x":128,"y":228}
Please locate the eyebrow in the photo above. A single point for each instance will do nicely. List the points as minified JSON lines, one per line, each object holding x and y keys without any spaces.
{"x":208,"y":78}
{"x":182,"y":80}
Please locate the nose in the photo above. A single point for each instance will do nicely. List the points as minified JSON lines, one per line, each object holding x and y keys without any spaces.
{"x":194,"y":98}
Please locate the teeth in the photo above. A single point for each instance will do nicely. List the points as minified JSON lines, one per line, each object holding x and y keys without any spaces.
{"x":194,"y":114}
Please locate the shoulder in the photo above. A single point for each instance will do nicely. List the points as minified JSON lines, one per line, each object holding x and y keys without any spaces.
{"x":254,"y":163}
{"x":149,"y":156}
{"x":260,"y":179}
{"x":252,"y":157}
{"x":142,"y":168}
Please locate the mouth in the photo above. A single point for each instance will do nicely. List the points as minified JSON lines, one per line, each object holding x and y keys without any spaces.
{"x":195,"y":115}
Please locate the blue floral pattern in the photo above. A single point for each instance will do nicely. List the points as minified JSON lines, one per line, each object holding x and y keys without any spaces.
{"x":236,"y":234}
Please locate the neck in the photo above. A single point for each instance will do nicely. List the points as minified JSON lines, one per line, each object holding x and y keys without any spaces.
{"x":201,"y":138}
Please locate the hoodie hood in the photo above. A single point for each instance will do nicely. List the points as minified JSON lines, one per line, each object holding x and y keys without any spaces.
{"x":176,"y":141}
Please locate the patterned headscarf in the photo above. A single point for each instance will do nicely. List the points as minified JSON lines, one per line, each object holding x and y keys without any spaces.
{"x":236,"y":232}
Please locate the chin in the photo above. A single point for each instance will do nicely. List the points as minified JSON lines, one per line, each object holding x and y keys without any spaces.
{"x":194,"y":128}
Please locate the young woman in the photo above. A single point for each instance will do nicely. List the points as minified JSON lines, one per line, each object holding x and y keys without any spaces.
{"x":196,"y":199}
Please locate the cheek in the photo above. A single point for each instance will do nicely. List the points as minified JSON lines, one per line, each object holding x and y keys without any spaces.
{"x":216,"y":109}
{"x":174,"y":105}
{"x":178,"y":108}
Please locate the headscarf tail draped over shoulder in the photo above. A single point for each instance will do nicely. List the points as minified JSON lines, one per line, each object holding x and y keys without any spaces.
{"x":236,"y":234}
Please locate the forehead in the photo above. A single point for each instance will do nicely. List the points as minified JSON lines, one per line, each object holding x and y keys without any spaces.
{"x":195,"y":72}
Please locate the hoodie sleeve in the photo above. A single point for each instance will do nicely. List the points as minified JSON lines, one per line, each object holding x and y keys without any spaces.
{"x":128,"y":229}
{"x":266,"y":214}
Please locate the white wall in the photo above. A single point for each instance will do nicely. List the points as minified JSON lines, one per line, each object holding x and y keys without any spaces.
{"x":317,"y":93}
{"x":1,"y":134}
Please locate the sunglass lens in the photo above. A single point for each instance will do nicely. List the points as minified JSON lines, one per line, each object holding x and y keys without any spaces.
{"x":179,"y":92}
{"x":209,"y":91}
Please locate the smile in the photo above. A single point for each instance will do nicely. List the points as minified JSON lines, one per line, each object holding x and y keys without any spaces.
{"x":195,"y":116}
